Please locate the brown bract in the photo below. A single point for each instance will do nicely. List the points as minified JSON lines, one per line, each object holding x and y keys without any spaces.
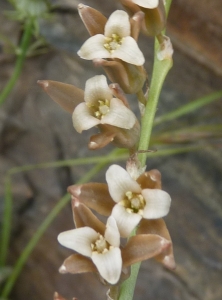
{"x":166,"y":257}
{"x":66,"y":95}
{"x":93,"y":19}
{"x":94,"y":195}
{"x":131,"y":78}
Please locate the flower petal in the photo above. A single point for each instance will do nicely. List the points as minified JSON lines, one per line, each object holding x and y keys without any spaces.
{"x":125,"y":221}
{"x":120,"y":182}
{"x":147,"y":3}
{"x":97,"y":89}
{"x":157,"y":203}
{"x":129,"y":52}
{"x":94,"y":48}
{"x":142,"y":247}
{"x":112,"y":233}
{"x":109,"y":264}
{"x":119,"y":115}
{"x":79,"y":240}
{"x":118,"y":23}
{"x":82,"y":118}
{"x":76,"y":264}
{"x":94,"y":195}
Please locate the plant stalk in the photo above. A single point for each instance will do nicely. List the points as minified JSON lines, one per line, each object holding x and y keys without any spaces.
{"x":21,"y":55}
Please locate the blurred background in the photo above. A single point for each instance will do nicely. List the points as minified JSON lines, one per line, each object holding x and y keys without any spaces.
{"x":33,"y":129}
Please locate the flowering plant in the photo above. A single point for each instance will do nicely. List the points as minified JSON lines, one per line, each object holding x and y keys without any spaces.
{"x":132,"y":200}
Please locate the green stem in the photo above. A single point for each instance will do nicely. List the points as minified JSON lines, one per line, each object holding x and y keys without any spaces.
{"x":7,"y":218}
{"x":42,"y":228}
{"x":25,"y":42}
{"x":128,"y":286}
{"x":160,"y":70}
{"x":119,"y":154}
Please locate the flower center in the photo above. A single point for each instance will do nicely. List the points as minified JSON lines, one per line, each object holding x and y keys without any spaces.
{"x":134,"y":203}
{"x":100,"y":245}
{"x":112,"y":43}
{"x":101,"y":109}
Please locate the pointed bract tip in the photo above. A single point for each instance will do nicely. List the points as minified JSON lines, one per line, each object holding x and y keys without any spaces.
{"x":74,"y":190}
{"x":62,"y":269}
{"x":75,"y":202}
{"x":58,"y":297}
{"x":43,"y":83}
{"x":165,"y":244}
{"x":92,"y":145}
{"x":169,"y":262}
{"x":80,"y":6}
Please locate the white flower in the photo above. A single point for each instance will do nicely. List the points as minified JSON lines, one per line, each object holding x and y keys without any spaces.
{"x":115,"y":43}
{"x":134,"y":203}
{"x":103,"y":250}
{"x":100,"y":107}
{"x":147,"y":3}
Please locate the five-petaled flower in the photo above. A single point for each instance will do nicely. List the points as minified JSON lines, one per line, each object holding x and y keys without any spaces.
{"x":115,"y":43}
{"x":133,"y":202}
{"x":103,"y":249}
{"x":100,"y":107}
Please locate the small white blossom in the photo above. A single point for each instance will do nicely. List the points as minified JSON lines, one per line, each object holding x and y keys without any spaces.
{"x":102,"y":249}
{"x":100,"y":107}
{"x":115,"y":43}
{"x":134,"y":203}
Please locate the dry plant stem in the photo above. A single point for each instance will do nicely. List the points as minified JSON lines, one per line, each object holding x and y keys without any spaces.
{"x":6,"y":228}
{"x":23,"y":48}
{"x":188,"y":108}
